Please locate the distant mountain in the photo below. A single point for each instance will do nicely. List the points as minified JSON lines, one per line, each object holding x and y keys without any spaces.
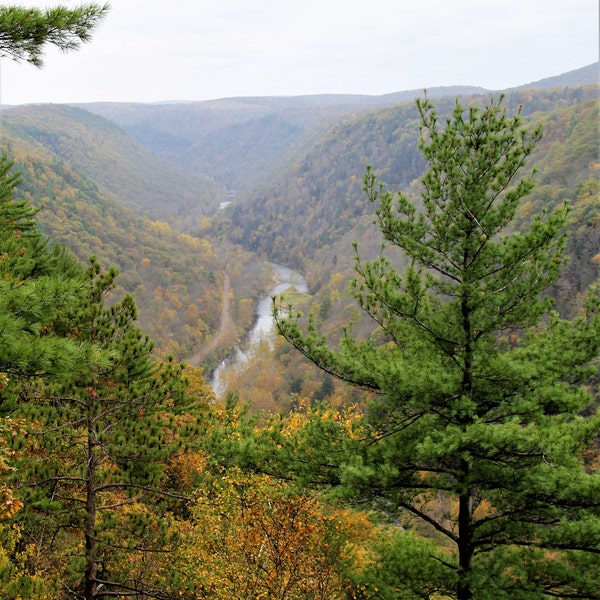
{"x":583,"y":76}
{"x":242,"y":142}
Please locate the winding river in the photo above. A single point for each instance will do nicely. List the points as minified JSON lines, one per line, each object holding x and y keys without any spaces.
{"x":263,"y":330}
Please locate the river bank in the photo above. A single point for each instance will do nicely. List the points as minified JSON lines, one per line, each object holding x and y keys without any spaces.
{"x":263,"y":330}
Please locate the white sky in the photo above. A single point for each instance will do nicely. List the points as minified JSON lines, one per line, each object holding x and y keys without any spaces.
{"x":158,"y":50}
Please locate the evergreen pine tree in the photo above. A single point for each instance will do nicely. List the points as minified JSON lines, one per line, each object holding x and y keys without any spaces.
{"x":103,"y":420}
{"x":37,"y":286}
{"x":95,"y":478}
{"x":477,"y":428}
{"x":25,"y":31}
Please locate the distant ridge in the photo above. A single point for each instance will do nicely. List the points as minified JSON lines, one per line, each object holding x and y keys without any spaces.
{"x":434,"y":92}
{"x":583,"y":76}
{"x":240,"y":142}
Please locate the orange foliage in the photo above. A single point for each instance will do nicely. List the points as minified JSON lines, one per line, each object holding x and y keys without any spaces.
{"x":9,"y":428}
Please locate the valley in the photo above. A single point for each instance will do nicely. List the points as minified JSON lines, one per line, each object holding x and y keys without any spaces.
{"x":148,"y":188}
{"x":262,"y":333}
{"x":334,"y":347}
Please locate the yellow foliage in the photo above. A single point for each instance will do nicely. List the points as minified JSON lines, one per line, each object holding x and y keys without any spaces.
{"x":9,"y":505}
{"x":192,"y":242}
{"x":160,"y":227}
{"x":185,"y":469}
{"x":253,"y":537}
{"x":525,"y":209}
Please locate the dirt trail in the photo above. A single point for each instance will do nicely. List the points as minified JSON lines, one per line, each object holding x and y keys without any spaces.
{"x":221,"y":334}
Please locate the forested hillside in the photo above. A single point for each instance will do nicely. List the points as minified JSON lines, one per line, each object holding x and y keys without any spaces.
{"x":99,"y":192}
{"x":243,"y":142}
{"x":293,"y":167}
{"x":318,"y":198}
{"x":119,"y":165}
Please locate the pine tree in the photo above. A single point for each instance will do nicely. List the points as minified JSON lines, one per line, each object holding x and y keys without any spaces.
{"x":102,"y":421}
{"x":95,"y":473}
{"x":476,"y":429}
{"x":37,"y":285}
{"x":25,"y":31}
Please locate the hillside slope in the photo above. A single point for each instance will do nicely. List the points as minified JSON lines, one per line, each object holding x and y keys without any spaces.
{"x":242,"y":142}
{"x":116,"y":162}
{"x":583,"y":76}
{"x":69,"y":161}
{"x":319,"y":197}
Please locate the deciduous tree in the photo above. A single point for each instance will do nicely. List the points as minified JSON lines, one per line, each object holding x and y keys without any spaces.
{"x":250,"y":536}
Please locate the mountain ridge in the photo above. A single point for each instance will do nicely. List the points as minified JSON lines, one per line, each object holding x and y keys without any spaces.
{"x":97,"y":146}
{"x":188,"y":134}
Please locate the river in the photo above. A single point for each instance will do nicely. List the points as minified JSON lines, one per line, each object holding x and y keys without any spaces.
{"x":263,"y":331}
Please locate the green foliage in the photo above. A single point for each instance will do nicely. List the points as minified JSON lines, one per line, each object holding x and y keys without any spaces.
{"x":475,"y":428}
{"x":37,"y":285}
{"x":102,"y":438}
{"x":404,"y":566}
{"x":25,"y":31}
{"x":95,"y":421}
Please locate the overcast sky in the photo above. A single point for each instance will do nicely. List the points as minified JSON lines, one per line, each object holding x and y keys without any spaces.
{"x":159,"y":50}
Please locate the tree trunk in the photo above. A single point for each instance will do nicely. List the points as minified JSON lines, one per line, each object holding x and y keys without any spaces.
{"x":465,"y":547}
{"x":90,"y":508}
